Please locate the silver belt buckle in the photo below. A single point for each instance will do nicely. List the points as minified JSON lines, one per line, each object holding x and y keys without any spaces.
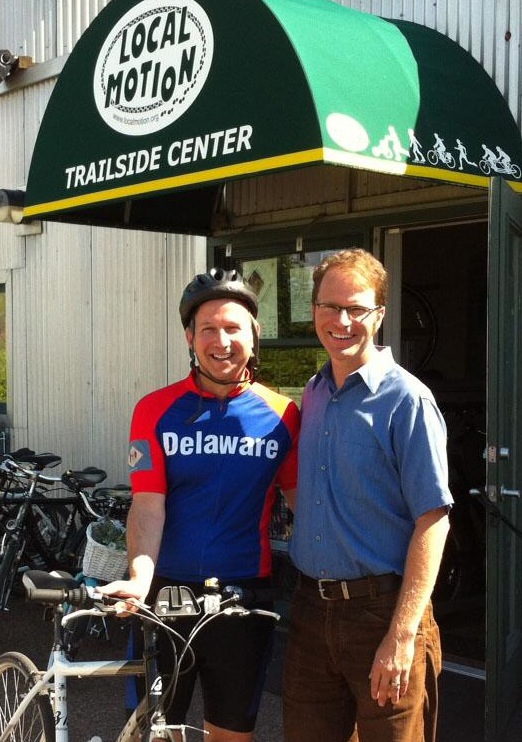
{"x":344,"y":588}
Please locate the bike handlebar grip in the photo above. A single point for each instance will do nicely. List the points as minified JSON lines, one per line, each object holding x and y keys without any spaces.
{"x":76,"y":596}
{"x":46,"y":595}
{"x":55,"y":588}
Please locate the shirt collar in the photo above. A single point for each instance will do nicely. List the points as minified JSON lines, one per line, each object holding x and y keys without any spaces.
{"x":372,"y":373}
{"x":193,"y":386}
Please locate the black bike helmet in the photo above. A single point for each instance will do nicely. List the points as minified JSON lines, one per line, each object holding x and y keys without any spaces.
{"x":216,"y":284}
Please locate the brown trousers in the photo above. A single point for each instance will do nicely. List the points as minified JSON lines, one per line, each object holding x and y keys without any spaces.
{"x":326,"y":688}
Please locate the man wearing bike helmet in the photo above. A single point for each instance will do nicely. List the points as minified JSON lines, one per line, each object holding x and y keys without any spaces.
{"x":205,"y":456}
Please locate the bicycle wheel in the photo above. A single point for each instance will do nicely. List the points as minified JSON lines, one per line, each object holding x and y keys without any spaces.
{"x":450,"y":160}
{"x":17,"y":677}
{"x":419,"y":331}
{"x":9,"y":558}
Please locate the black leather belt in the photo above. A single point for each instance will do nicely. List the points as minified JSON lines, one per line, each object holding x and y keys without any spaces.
{"x":364,"y":587}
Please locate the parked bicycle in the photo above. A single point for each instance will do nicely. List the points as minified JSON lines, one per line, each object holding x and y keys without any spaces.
{"x":31,"y":709}
{"x":40,"y":526}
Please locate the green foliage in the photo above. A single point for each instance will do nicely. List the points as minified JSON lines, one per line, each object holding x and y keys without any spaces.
{"x":287,"y":367}
{"x":109,"y":532}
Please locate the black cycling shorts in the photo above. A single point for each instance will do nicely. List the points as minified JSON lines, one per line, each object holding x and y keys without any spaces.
{"x":231,"y":659}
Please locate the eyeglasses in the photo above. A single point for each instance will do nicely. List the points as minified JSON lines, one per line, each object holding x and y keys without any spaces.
{"x":354,"y":312}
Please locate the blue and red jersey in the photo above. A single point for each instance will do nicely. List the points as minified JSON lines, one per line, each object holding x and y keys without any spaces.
{"x":216,"y":461}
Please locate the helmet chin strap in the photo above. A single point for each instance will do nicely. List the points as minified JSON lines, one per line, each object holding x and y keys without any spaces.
{"x":200,"y":371}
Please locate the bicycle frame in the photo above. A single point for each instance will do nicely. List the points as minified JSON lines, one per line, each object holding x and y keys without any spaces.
{"x":54,"y":680}
{"x":51,"y":684}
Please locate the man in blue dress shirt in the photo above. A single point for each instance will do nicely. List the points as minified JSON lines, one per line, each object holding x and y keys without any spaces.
{"x":370,"y":525}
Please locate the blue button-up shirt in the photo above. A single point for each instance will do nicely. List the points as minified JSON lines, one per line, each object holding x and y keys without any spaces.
{"x":372,"y":459}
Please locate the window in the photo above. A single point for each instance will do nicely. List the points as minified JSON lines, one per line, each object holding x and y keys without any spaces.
{"x":282,"y":279}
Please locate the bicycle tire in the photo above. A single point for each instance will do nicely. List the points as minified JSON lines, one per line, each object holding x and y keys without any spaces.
{"x":9,"y":559}
{"x":450,"y":160}
{"x":419,"y":326}
{"x":17,"y":677}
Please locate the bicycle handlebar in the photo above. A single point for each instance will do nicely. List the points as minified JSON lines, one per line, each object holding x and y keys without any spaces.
{"x":171,"y":602}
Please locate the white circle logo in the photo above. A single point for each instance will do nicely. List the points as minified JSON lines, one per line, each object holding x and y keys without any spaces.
{"x":347,"y":132}
{"x":153,"y":65}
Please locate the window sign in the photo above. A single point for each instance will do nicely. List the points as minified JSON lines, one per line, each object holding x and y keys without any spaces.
{"x":262,"y":277}
{"x":300,"y":292}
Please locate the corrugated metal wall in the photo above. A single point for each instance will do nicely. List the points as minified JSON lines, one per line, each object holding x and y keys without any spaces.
{"x":92,"y":314}
{"x":45,"y":29}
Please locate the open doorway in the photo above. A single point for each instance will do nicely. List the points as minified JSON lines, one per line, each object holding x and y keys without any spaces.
{"x":443,"y":342}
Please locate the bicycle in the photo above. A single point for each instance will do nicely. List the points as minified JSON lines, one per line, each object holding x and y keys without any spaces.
{"x":487,"y":164}
{"x":33,"y":703}
{"x":9,"y":486}
{"x":442,"y":156}
{"x":38,"y":527}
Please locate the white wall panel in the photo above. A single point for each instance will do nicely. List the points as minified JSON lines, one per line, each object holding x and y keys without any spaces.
{"x":57,"y":332}
{"x":129,"y":328}
{"x":138,"y":341}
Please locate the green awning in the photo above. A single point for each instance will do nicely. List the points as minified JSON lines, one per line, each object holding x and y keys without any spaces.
{"x":160,"y":104}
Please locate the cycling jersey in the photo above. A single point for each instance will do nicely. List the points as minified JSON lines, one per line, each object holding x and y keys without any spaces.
{"x":216,"y":461}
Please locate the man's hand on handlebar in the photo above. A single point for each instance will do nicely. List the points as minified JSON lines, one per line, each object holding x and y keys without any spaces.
{"x":132,"y":593}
